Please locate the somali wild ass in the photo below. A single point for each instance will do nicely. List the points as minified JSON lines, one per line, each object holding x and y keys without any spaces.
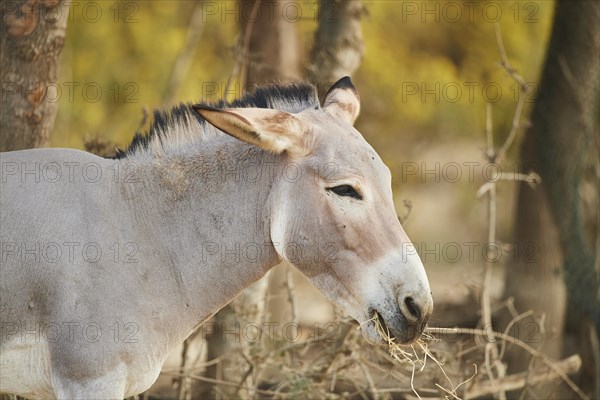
{"x":107,"y":264}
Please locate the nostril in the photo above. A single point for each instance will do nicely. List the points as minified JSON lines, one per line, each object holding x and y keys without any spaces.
{"x":413,"y":309}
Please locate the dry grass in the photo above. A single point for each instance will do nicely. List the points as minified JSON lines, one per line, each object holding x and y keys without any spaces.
{"x":345,"y":366}
{"x":416,"y":356}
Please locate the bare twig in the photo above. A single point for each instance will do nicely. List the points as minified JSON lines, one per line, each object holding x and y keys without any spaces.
{"x":223,"y":383}
{"x":289,"y":285}
{"x":245,"y":376}
{"x":368,"y":377}
{"x":504,"y":58}
{"x":183,"y":390}
{"x":523,"y":90}
{"x":532,"y":179}
{"x":492,"y":356}
{"x":490,"y":348}
{"x":509,"y":327}
{"x":569,"y":365}
{"x":291,"y":290}
{"x":534,"y":352}
{"x":184,"y":58}
{"x":468,"y":380}
{"x":408,"y":206}
{"x":242,"y":52}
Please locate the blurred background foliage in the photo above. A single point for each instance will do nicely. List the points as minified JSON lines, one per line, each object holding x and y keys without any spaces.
{"x":424,"y":73}
{"x":427,"y":72}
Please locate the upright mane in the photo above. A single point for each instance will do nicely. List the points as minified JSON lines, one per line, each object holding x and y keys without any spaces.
{"x":182,"y":125}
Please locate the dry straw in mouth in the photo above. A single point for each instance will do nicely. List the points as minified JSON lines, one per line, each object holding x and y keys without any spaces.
{"x":400,"y":354}
{"x":396,"y":351}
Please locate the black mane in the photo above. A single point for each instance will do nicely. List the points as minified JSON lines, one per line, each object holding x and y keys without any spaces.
{"x":297,"y":94}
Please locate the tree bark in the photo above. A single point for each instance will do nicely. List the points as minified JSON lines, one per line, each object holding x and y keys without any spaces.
{"x":33,"y":35}
{"x":339,"y":46}
{"x":273,"y":47}
{"x":549,"y":220}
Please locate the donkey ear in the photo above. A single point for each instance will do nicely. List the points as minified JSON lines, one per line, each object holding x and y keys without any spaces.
{"x":272,"y":130}
{"x":342,"y":100}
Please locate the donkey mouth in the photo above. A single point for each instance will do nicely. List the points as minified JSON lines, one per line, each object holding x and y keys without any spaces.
{"x":399,"y":333}
{"x":382,"y":328}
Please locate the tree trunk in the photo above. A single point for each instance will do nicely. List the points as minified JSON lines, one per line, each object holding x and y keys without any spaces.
{"x":339,"y":46}
{"x":33,"y":35}
{"x":549,"y":220}
{"x":273,"y":47}
{"x":270,"y":51}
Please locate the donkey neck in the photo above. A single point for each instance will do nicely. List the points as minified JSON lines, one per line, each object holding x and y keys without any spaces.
{"x":206,"y":212}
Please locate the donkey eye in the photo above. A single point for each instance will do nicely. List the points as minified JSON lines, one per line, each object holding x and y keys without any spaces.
{"x":345,"y":190}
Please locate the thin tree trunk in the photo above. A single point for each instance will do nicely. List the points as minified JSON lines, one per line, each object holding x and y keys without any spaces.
{"x":549,"y":226}
{"x":33,"y":35}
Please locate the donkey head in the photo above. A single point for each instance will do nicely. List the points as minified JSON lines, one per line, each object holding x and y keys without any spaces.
{"x":335,"y":221}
